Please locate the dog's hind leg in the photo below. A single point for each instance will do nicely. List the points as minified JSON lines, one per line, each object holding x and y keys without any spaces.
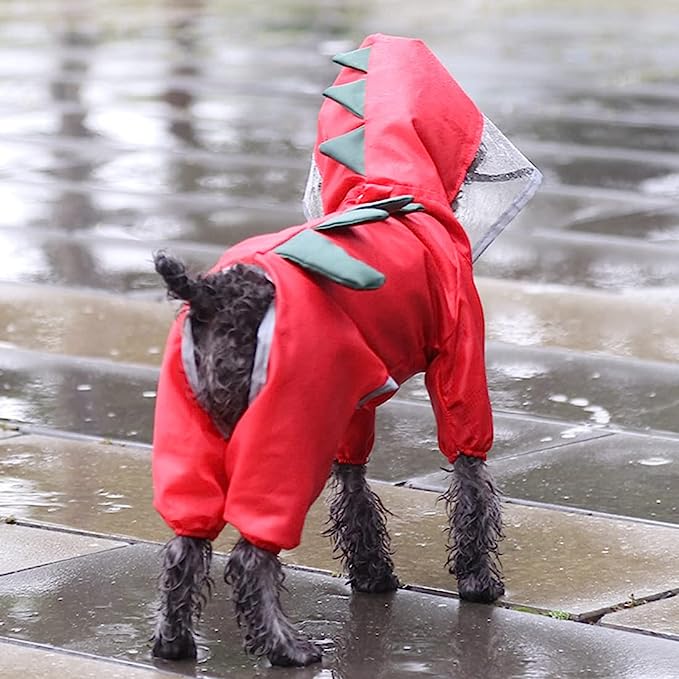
{"x":358,"y":530}
{"x":475,"y":531}
{"x":185,"y":586}
{"x":256,"y":577}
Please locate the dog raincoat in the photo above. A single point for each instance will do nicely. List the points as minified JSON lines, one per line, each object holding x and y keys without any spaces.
{"x":376,"y":287}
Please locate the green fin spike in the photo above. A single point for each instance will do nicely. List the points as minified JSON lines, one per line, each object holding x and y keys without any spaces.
{"x":391,"y":204}
{"x":356,"y":59}
{"x":348,"y":149}
{"x":351,"y":96}
{"x":318,"y":254}
{"x":412,"y":207}
{"x":359,"y":215}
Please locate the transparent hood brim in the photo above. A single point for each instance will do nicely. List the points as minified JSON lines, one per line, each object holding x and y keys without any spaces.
{"x":497,"y":186}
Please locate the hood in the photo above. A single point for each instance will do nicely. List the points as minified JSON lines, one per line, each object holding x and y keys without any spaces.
{"x":395,"y":121}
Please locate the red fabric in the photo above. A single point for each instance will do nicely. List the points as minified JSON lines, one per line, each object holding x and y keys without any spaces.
{"x":332,"y":346}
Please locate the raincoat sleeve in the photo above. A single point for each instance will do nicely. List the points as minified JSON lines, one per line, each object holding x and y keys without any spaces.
{"x":359,"y":438}
{"x":456,"y":381}
{"x":189,"y":482}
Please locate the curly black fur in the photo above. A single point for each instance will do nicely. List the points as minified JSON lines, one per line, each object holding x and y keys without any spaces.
{"x":475,"y":531}
{"x":226,"y":309}
{"x":358,"y":529}
{"x":185,"y":587}
{"x":256,"y":579}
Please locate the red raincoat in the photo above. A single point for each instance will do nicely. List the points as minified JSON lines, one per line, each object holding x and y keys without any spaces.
{"x":335,"y":348}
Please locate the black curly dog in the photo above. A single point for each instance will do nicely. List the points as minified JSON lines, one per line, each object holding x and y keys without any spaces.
{"x":226,"y":309}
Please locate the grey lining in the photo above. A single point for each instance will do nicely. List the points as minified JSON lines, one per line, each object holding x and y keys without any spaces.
{"x":189,"y":356}
{"x":390,"y":385}
{"x":260,"y":366}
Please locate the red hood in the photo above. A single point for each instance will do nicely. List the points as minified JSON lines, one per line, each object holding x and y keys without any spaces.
{"x":420,"y":130}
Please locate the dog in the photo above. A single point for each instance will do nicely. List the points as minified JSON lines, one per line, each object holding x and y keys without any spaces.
{"x":281,"y":353}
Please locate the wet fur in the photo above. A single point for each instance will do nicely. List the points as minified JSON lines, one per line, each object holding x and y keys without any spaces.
{"x":185,"y":587}
{"x":475,"y":531}
{"x":357,"y":528}
{"x":226,"y":309}
{"x":256,"y":580}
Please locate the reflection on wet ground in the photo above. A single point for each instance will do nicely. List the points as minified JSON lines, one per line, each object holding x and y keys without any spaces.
{"x":187,"y":125}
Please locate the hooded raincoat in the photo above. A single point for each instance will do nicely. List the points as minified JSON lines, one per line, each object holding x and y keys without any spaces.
{"x":377,"y":290}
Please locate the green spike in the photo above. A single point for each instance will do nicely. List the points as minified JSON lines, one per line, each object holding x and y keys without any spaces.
{"x":353,"y":217}
{"x":348,"y":149}
{"x":391,"y":204}
{"x":317,"y":253}
{"x":351,"y":96}
{"x":356,"y":59}
{"x":412,"y":207}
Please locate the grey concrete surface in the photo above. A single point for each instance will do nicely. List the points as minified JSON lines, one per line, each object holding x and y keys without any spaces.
{"x":44,"y":663}
{"x":397,"y":635}
{"x":657,"y":617}
{"x":24,"y":548}
{"x":623,"y":474}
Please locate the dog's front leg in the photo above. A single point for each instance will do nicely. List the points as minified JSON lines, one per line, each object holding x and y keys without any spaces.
{"x":358,"y":530}
{"x":256,"y":579}
{"x":185,"y":586}
{"x":475,"y":524}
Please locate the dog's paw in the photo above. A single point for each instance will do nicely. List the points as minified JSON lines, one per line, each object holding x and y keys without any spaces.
{"x":179,"y":648}
{"x":387,"y":582}
{"x":295,"y":653}
{"x":480,"y":590}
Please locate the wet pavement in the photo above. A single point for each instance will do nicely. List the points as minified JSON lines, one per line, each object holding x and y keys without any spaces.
{"x":187,"y":125}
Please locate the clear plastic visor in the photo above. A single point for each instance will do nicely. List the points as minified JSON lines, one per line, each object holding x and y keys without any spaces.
{"x":499,"y":183}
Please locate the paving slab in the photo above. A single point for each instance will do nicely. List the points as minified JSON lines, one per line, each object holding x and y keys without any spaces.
{"x":90,"y":397}
{"x":553,"y":560}
{"x":394,"y":635}
{"x":655,"y":226}
{"x":83,"y":323}
{"x":627,"y":475}
{"x":407,"y":443}
{"x":593,"y":131}
{"x":24,"y":548}
{"x":574,"y":258}
{"x":656,"y":617}
{"x":45,"y":663}
{"x":581,"y":320}
{"x":587,"y":390}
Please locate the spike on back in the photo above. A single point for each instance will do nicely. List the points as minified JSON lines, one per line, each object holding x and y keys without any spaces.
{"x":347,"y":149}
{"x":356,"y":59}
{"x":351,"y":96}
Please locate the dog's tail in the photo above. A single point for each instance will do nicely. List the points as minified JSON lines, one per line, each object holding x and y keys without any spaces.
{"x":198,"y":292}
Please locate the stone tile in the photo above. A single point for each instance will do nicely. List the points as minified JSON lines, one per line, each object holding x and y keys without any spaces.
{"x":394,"y":635}
{"x":628,"y":475}
{"x":656,"y":617}
{"x":45,"y":663}
{"x":621,"y":474}
{"x":81,"y":323}
{"x":407,"y":445}
{"x":552,"y":560}
{"x":583,"y":389}
{"x":24,"y":547}
{"x":571,"y":258}
{"x":112,"y":264}
{"x":82,"y":484}
{"x":655,"y":226}
{"x":90,"y":397}
{"x":532,"y":314}
{"x":593,"y":131}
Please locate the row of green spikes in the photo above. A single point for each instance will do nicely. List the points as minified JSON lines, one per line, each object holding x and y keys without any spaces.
{"x":349,"y":149}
